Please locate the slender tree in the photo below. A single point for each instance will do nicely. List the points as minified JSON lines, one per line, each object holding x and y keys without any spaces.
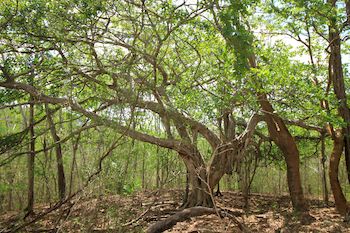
{"x":31,"y":160}
{"x":61,"y":181}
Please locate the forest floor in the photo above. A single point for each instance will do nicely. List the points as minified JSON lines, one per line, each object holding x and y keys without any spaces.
{"x":135,"y":213}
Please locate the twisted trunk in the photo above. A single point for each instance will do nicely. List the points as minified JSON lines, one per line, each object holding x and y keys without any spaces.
{"x":200,"y":193}
{"x":203,"y":179}
{"x":286,"y":143}
{"x":339,"y":198}
{"x":337,"y":78}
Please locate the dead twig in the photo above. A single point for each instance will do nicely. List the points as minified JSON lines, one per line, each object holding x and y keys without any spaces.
{"x":144,"y":212}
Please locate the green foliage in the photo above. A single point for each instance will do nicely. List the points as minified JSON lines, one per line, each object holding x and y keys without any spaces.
{"x":112,"y":58}
{"x":10,"y":142}
{"x":237,"y":33}
{"x":10,"y":96}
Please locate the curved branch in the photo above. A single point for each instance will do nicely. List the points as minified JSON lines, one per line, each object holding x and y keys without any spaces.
{"x":176,"y":145}
{"x":209,"y":135}
{"x":186,"y":214}
{"x":249,"y":131}
{"x":179,"y":217}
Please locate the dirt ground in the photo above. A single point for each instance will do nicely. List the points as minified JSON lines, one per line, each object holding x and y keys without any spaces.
{"x":135,"y":213}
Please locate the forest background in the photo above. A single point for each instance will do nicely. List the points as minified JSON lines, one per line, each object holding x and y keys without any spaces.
{"x":147,"y":95}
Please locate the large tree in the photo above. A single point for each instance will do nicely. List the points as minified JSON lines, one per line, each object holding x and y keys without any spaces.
{"x":317,"y":27}
{"x":234,"y":21}
{"x":198,"y":68}
{"x":100,"y":58}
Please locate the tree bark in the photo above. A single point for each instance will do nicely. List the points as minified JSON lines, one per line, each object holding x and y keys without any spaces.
{"x":218,"y":192}
{"x":339,"y":198}
{"x":337,"y":77}
{"x":47,"y":168}
{"x":203,"y":179}
{"x":61,"y":180}
{"x":200,"y":193}
{"x":10,"y":201}
{"x":158,"y":169}
{"x":281,"y":136}
{"x":323,"y":170}
{"x":31,"y":161}
{"x":143,"y":172}
{"x":74,"y":164}
{"x":187,"y":188}
{"x":179,"y":217}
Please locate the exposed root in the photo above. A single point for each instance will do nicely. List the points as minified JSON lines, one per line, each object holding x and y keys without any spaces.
{"x":179,"y":217}
{"x":186,"y":214}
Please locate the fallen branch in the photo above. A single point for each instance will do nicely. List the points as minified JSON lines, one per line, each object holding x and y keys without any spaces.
{"x":144,"y":212}
{"x":179,"y":217}
{"x":232,"y":214}
{"x":138,"y":218}
{"x":187,"y":214}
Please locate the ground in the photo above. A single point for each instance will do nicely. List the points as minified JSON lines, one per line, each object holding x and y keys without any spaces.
{"x":135,"y":213}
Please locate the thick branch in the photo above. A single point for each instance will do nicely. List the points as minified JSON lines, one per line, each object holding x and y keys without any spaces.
{"x":209,"y":135}
{"x":176,"y":145}
{"x":246,"y":136}
{"x":179,"y":217}
{"x":303,"y":125}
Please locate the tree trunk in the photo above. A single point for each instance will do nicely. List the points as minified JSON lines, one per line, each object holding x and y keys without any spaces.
{"x":61,"y":180}
{"x":157,"y":169}
{"x":284,"y":140}
{"x":74,"y":164}
{"x":286,"y":143}
{"x":201,"y":192}
{"x":187,"y":188}
{"x":10,"y":180}
{"x":323,"y":170}
{"x":203,"y":180}
{"x":218,"y":192}
{"x":143,"y":171}
{"x":337,"y":77}
{"x":46,"y":167}
{"x":339,"y":198}
{"x":31,"y":161}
